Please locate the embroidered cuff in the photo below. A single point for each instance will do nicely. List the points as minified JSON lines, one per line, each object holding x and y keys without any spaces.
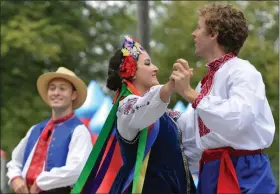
{"x":197,"y":101}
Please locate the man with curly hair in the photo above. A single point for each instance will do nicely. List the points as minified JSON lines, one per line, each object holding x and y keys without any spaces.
{"x":230,"y":114}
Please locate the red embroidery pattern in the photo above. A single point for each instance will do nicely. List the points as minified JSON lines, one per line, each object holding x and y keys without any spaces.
{"x":173,"y":114}
{"x":203,"y":130}
{"x":206,"y":85}
{"x":40,"y":153}
{"x":128,"y":106}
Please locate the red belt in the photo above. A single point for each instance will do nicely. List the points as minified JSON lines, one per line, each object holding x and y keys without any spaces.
{"x":227,"y":181}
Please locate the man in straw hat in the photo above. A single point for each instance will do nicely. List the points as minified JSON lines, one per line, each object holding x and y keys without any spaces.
{"x":50,"y":158}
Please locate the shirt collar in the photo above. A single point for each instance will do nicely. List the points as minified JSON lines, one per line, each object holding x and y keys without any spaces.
{"x":216,"y":63}
{"x":63,"y":119}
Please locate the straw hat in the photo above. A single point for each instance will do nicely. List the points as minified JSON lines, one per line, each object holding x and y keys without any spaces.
{"x":62,"y":72}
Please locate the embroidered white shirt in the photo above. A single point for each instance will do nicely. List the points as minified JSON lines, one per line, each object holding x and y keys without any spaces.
{"x":236,"y":110}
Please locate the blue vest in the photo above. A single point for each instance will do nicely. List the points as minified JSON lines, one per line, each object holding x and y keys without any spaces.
{"x":59,"y":144}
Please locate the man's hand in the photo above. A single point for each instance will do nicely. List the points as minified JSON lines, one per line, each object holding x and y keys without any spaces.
{"x":19,"y":186}
{"x":181,"y":76}
{"x":34,"y":189}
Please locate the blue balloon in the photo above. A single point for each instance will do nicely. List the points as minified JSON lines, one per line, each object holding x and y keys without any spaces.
{"x":179,"y":106}
{"x":98,"y":120}
{"x":93,"y":101}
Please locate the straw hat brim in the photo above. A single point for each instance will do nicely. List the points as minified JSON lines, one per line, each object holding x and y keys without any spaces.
{"x":43,"y":82}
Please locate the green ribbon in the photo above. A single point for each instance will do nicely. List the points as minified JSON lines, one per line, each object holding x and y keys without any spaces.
{"x":139,"y":158}
{"x":100,"y":144}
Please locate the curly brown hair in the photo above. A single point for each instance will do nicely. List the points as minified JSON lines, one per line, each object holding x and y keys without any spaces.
{"x":230,"y":24}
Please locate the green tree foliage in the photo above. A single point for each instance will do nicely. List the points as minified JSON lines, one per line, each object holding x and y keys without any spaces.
{"x":40,"y":36}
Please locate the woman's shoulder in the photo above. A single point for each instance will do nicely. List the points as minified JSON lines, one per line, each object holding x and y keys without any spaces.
{"x":126,"y":104}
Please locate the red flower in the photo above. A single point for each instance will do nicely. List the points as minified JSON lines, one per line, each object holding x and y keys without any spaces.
{"x":128,"y":67}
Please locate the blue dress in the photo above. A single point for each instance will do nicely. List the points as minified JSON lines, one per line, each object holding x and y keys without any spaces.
{"x":167,"y":170}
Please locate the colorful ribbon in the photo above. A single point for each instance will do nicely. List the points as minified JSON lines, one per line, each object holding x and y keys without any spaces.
{"x":91,"y":172}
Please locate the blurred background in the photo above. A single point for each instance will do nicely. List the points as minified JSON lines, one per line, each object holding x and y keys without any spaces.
{"x":40,"y":36}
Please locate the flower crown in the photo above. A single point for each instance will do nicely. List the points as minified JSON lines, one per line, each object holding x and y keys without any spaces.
{"x":131,"y":50}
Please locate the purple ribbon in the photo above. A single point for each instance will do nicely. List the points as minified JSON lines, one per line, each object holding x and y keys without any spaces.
{"x":88,"y":187}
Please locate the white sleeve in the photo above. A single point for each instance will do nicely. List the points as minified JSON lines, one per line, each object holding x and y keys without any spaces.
{"x":138,"y":112}
{"x":15,"y":165}
{"x":79,"y":149}
{"x":246,"y":99}
{"x":186,"y":125}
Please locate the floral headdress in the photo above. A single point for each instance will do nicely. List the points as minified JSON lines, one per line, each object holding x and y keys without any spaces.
{"x":131,"y":50}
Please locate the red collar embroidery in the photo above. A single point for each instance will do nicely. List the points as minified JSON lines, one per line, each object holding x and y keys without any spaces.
{"x":206,"y":85}
{"x":216,"y":64}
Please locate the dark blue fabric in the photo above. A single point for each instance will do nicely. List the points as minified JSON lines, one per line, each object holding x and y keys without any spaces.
{"x":165,"y":172}
{"x":58,"y":148}
{"x":253,"y":172}
{"x":151,"y":138}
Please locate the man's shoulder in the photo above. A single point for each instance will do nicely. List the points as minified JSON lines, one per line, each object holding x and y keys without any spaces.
{"x":38,"y":126}
{"x":242,"y":70}
{"x":238,"y":64}
{"x":41,"y":123}
{"x":75,"y":122}
{"x":78,"y":127}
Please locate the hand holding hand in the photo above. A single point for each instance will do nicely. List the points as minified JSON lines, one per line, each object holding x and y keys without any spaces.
{"x":181,"y":76}
{"x":19,"y":186}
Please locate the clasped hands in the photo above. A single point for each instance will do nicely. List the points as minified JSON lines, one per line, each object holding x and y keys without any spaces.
{"x":180,"y":78}
{"x":19,"y":186}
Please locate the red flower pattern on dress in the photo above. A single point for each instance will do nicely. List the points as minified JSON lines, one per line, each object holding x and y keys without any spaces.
{"x":128,"y":67}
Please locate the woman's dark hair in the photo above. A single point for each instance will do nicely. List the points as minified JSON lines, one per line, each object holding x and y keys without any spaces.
{"x":114,"y":81}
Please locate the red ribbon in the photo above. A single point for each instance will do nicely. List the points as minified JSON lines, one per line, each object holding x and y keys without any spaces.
{"x":227,"y":181}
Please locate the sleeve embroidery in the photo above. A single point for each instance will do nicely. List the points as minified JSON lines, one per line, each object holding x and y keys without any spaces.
{"x":128,"y":107}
